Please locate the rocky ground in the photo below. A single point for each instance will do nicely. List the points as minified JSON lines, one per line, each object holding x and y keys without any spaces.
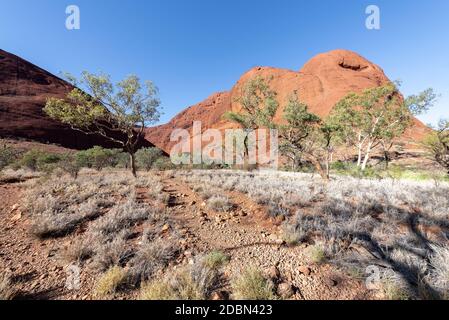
{"x":245,"y":234}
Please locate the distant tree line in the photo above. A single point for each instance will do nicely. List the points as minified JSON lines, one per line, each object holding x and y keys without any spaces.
{"x":371,"y":120}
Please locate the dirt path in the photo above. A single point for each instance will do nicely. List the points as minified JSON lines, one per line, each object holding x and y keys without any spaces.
{"x":250,"y":239}
{"x":245,"y":234}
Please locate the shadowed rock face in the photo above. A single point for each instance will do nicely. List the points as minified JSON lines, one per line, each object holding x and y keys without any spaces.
{"x":24,"y":89}
{"x":321,"y":83}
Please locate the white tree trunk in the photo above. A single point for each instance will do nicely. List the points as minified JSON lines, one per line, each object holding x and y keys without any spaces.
{"x":367,"y":156}
{"x":359,"y":158}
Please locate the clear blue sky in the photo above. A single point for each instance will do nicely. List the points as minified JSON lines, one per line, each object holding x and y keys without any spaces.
{"x":193,"y":48}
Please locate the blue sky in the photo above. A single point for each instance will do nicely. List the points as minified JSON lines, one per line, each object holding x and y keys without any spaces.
{"x":193,"y":48}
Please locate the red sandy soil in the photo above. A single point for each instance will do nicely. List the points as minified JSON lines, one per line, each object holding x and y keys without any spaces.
{"x":245,"y":234}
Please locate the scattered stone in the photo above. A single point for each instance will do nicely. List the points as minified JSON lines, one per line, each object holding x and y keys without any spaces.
{"x":273,"y":273}
{"x":305,"y":270}
{"x":219,"y":219}
{"x":331,"y":281}
{"x":166,"y":227}
{"x":243,"y":213}
{"x":51,"y":253}
{"x":218,"y":295}
{"x":188,"y":254}
{"x":285,"y":290}
{"x":17,"y":216}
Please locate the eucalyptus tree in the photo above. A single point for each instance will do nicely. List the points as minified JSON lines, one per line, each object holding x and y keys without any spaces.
{"x":119,"y":112}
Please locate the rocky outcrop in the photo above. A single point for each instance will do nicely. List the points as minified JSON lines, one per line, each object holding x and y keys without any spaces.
{"x":24,"y":90}
{"x":321,"y":83}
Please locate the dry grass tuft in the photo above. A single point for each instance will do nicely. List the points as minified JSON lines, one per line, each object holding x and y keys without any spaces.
{"x":110,"y":282}
{"x":195,"y":282}
{"x":219,"y":203}
{"x":252,"y":285}
{"x":215,"y":260}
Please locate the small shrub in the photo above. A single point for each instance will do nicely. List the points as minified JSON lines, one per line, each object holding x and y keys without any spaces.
{"x":162,"y":164}
{"x":76,"y":252}
{"x":252,"y":285}
{"x":110,"y":282}
{"x":39,"y":160}
{"x":51,"y":219}
{"x":157,"y":290}
{"x":219,"y":203}
{"x":151,"y":257}
{"x":391,"y":290}
{"x":49,"y":225}
{"x":215,"y":259}
{"x":121,"y":217}
{"x":339,"y":166}
{"x":7,"y":156}
{"x":276,"y":210}
{"x":195,"y":282}
{"x":290,"y":235}
{"x":98,"y":158}
{"x":70,"y":165}
{"x":108,"y":254}
{"x":146,"y":157}
{"x":316,"y":254}
{"x":12,"y":176}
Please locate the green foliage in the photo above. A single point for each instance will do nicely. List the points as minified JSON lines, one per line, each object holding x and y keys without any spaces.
{"x":421,"y":103}
{"x":109,"y":110}
{"x":339,"y":166}
{"x":306,"y":136}
{"x":259,"y":105}
{"x":376,"y":117}
{"x":194,"y":282}
{"x":39,"y":160}
{"x":163,"y":164}
{"x":98,"y":158}
{"x":215,"y":260}
{"x":70,"y":164}
{"x":252,"y":285}
{"x":437,"y":144}
{"x":316,"y":254}
{"x":372,"y":115}
{"x":146,"y":157}
{"x":7,"y":156}
{"x":110,"y":282}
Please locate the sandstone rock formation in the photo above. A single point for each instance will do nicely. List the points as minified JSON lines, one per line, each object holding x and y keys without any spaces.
{"x":24,"y":89}
{"x":321,"y":83}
